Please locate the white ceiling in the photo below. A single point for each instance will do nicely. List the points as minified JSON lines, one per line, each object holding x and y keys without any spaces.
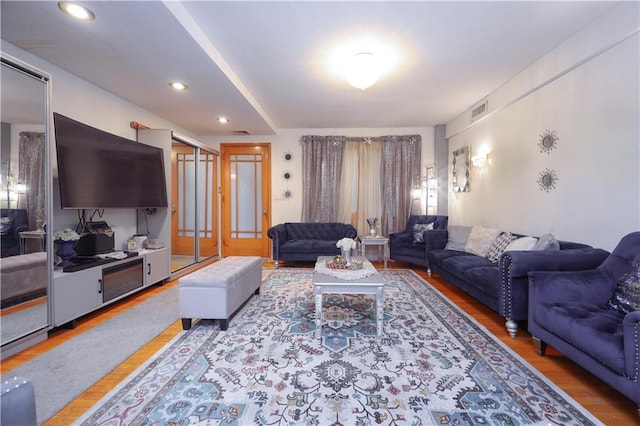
{"x":262,"y":63}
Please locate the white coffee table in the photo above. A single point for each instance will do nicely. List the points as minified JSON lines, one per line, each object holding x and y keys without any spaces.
{"x":324,"y":283}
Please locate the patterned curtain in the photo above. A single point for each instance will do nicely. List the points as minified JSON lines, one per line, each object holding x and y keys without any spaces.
{"x":400,"y":171}
{"x":378,"y":177}
{"x":321,"y":165}
{"x":31,"y":171}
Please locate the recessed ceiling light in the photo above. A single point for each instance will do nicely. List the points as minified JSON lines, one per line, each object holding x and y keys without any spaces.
{"x":223,"y":120}
{"x":76,"y":10}
{"x":178,"y":86}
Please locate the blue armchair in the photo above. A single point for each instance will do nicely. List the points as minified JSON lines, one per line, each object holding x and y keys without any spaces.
{"x":568,"y":310}
{"x":403,"y":245}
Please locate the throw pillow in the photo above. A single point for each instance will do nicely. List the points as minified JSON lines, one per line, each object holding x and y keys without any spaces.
{"x":457,"y":237}
{"x":547,"y":242}
{"x":480,"y":239}
{"x":524,"y":243}
{"x":626,"y":297}
{"x":499,"y":245}
{"x":418,"y":231}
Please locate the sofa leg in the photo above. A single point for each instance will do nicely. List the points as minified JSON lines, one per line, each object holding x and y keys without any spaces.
{"x":186,"y":323}
{"x":429,"y":272}
{"x":539,"y":345}
{"x":512,"y":328}
{"x":276,"y":263}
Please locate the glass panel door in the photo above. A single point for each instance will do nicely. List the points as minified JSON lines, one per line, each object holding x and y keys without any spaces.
{"x":207,"y":204}
{"x":24,"y":203}
{"x":183,"y":205}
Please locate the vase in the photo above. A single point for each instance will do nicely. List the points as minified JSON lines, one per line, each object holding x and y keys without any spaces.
{"x":65,"y":250}
{"x":346,"y":253}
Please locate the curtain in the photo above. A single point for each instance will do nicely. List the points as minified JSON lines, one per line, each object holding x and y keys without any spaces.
{"x":360,"y":190}
{"x":31,"y":171}
{"x":322,"y":165}
{"x":400,"y":171}
{"x":352,"y":179}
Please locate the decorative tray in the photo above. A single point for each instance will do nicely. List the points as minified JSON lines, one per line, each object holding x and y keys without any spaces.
{"x":339,"y":262}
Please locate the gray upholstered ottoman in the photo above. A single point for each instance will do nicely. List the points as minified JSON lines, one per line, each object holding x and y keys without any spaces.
{"x":218,"y":290}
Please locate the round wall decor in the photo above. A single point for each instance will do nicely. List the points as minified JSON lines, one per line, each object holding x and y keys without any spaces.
{"x":287,"y":175}
{"x":548,"y":141}
{"x":287,"y":156}
{"x":547,"y":180}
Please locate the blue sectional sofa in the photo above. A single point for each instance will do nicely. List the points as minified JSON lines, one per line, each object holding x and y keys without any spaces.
{"x":592,"y":316}
{"x":504,"y":286}
{"x":406,"y":245}
{"x":307,"y":241}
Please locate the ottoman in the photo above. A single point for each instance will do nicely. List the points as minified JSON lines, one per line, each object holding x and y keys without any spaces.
{"x":18,"y":402}
{"x":218,"y":290}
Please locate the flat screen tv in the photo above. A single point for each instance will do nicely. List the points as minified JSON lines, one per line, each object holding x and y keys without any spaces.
{"x":98,"y":170}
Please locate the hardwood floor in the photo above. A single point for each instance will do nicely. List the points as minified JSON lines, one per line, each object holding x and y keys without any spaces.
{"x":601,"y":400}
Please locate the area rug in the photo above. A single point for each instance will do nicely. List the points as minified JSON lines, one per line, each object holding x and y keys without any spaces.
{"x":433,"y":366}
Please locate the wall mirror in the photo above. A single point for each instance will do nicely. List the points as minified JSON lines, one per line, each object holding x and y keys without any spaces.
{"x":460,"y":169}
{"x":24,"y":200}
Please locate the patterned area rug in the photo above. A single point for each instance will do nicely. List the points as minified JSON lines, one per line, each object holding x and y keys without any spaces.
{"x":434,"y":366}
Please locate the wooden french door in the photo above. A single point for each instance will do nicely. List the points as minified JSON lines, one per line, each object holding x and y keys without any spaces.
{"x":184,"y":184}
{"x":245,"y":199}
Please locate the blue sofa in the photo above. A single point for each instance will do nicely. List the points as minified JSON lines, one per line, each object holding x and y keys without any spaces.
{"x":569,"y":311}
{"x":402,"y":245}
{"x":504,"y":286}
{"x":307,"y":241}
{"x":12,"y":222}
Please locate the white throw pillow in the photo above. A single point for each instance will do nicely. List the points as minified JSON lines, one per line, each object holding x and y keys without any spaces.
{"x":524,"y":243}
{"x":457,"y":237}
{"x":480,"y":239}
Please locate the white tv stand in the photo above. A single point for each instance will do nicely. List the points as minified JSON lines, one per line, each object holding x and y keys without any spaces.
{"x":78,"y":293}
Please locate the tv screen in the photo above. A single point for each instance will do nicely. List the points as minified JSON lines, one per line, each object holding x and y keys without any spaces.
{"x":99,"y":170}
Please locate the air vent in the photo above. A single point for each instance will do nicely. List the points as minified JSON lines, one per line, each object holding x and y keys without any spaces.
{"x":479,"y":110}
{"x":240,"y":132}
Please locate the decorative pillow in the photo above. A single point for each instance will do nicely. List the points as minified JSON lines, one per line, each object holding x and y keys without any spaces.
{"x":626,"y":297}
{"x":524,"y":243}
{"x":480,"y":239}
{"x":499,"y":246}
{"x":457,"y":237}
{"x":547,"y":242}
{"x":418,"y":231}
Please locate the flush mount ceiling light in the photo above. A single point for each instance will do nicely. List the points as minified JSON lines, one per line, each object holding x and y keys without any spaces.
{"x":76,"y":10}
{"x":223,"y":120}
{"x":363,"y":71}
{"x":178,"y":86}
{"x":362,"y":61}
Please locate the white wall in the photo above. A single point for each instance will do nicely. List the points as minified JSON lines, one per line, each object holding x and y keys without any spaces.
{"x":89,"y":104}
{"x":288,"y":140}
{"x":588,"y":91}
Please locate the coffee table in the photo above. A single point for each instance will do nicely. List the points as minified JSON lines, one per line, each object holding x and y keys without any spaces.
{"x":324,"y":283}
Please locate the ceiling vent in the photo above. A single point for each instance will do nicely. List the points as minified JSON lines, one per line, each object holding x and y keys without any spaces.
{"x":241,"y":132}
{"x":479,"y":110}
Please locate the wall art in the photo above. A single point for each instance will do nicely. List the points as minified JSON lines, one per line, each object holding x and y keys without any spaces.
{"x":547,"y":180}
{"x":287,"y":175}
{"x":548,"y":141}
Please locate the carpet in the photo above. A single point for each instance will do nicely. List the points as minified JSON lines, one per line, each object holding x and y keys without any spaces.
{"x":433,"y":366}
{"x":63,"y":373}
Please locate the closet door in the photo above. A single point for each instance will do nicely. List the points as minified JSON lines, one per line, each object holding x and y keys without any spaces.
{"x":25,"y":206}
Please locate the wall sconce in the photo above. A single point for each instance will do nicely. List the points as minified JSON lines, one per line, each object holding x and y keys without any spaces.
{"x":480,"y":160}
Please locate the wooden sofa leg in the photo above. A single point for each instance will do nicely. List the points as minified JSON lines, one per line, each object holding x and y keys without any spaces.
{"x":539,"y":345}
{"x":512,"y":328}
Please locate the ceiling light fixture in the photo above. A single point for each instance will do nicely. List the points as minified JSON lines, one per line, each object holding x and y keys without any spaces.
{"x":223,"y":120}
{"x":77,"y":11}
{"x":363,"y":71}
{"x":178,"y":86}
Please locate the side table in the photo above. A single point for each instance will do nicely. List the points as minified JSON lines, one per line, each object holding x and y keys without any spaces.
{"x":37,"y":235}
{"x":375,"y":241}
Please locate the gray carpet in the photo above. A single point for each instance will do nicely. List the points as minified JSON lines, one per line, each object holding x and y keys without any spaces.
{"x":23,"y":322}
{"x":66,"y":371}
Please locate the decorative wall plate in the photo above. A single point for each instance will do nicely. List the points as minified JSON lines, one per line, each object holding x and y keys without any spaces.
{"x":547,"y":180}
{"x":287,"y":156}
{"x":548,"y":141}
{"x":287,"y":175}
{"x":287,"y":194}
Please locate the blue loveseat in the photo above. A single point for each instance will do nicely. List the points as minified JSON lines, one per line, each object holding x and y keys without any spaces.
{"x":307,"y":241}
{"x":504,"y":286}
{"x":570,"y":310}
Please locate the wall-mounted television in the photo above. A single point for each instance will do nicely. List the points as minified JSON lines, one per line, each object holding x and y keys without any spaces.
{"x":98,"y":170}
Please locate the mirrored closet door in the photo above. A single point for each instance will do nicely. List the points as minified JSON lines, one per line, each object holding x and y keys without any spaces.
{"x":24,"y":200}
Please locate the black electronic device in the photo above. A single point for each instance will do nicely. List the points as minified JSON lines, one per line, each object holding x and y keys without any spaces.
{"x":99,"y":170}
{"x":98,"y":238}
